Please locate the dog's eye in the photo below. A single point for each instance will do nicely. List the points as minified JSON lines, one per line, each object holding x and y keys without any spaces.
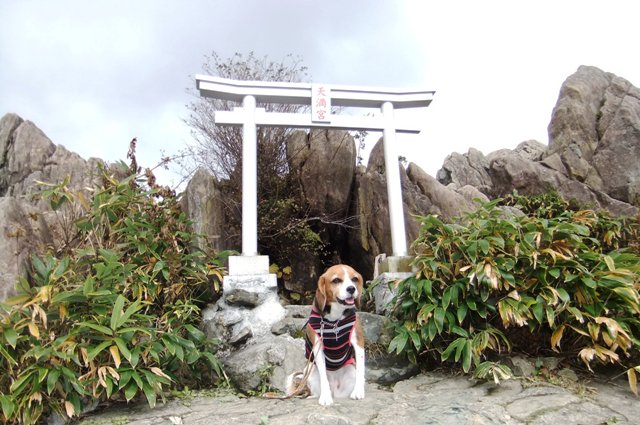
{"x":354,"y":279}
{"x":336,"y":280}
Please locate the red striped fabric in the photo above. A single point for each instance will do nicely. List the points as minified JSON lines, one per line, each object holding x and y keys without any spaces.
{"x":336,"y":338}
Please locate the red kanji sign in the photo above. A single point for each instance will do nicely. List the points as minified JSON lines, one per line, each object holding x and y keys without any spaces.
{"x":320,"y":103}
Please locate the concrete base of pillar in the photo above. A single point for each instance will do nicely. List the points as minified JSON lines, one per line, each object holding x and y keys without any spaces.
{"x":391,"y":269}
{"x":240,"y":265}
{"x":396,"y":264}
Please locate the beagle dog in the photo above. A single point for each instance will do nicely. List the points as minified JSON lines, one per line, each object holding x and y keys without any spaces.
{"x":334,"y":339}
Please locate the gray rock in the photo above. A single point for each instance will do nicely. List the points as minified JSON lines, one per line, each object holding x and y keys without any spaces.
{"x":468,"y":169}
{"x":26,"y":150}
{"x":298,"y":311}
{"x":16,"y":244}
{"x":240,"y":334}
{"x":217,"y":322}
{"x":326,"y":189}
{"x":421,"y":195}
{"x":243,"y":297}
{"x":8,"y":125}
{"x":227,"y":322}
{"x":202,"y":202}
{"x":555,"y":163}
{"x":512,"y":172}
{"x":383,"y":292}
{"x":265,"y":361}
{"x":531,"y":150}
{"x":294,"y":321}
{"x":230,"y":317}
{"x":573,"y":129}
{"x":376,"y":328}
{"x":472,"y":195}
{"x":551,"y":363}
{"x":595,"y":131}
{"x":444,"y":202}
{"x":249,"y":290}
{"x":522,"y":366}
{"x":568,"y":375}
{"x":388,"y":369}
{"x":594,"y":142}
{"x":366,"y":241}
{"x":29,"y":156}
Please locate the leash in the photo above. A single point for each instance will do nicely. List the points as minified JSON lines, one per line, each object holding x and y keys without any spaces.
{"x":302,"y":384}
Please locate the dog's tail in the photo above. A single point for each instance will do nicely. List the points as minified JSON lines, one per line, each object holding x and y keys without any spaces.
{"x":296,"y":386}
{"x":297,"y":381}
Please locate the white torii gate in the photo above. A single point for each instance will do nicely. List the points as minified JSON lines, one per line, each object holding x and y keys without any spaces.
{"x":321,"y":98}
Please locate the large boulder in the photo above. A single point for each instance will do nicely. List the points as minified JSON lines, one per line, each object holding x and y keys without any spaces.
{"x":370,"y":207}
{"x":265,"y":362}
{"x":202,"y":202}
{"x":323,"y":162}
{"x":445,"y":202}
{"x":595,"y":133}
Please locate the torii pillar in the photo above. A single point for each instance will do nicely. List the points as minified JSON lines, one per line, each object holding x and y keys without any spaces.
{"x":321,"y":98}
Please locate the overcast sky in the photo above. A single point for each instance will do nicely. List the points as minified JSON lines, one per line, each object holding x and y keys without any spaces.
{"x":94,"y":74}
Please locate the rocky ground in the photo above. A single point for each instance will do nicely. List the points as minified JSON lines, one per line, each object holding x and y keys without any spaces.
{"x":432,"y":398}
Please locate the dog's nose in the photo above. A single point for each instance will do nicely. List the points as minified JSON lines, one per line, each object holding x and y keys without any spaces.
{"x":351,"y":289}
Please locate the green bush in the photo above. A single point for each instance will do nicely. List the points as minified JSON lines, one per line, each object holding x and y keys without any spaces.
{"x":568,"y":276}
{"x":113,"y":314}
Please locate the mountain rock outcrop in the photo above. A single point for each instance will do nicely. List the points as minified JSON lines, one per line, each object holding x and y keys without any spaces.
{"x":28,"y":157}
{"x":594,"y":144}
{"x":595,"y":132}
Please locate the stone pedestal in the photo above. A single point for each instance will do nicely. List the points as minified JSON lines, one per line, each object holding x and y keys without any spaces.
{"x":249,"y":290}
{"x":249,"y":305}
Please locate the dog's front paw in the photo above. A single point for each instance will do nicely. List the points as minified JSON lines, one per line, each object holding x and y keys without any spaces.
{"x":357,"y":393}
{"x":325,"y":399}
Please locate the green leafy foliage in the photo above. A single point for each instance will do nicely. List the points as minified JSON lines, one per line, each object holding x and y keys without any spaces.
{"x":115,"y":313}
{"x":566,"y":278}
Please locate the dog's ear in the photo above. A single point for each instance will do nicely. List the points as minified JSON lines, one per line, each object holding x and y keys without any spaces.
{"x":320,"y":300}
{"x":360,"y":286}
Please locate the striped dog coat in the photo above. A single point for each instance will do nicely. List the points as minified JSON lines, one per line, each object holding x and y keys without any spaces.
{"x":335,"y":336}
